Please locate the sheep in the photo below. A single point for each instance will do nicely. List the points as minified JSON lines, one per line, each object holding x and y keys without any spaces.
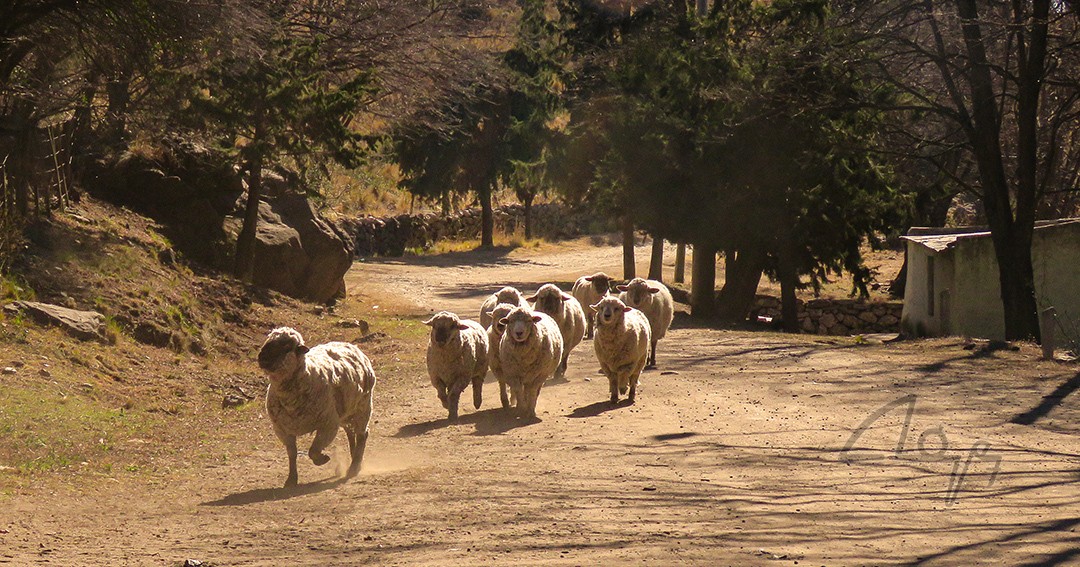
{"x":531,"y":350}
{"x":568,"y":315}
{"x":505,"y":295}
{"x":588,"y":290}
{"x":317,"y":390}
{"x":495,"y":333}
{"x":654,"y":300}
{"x":457,"y":354}
{"x":622,"y":345}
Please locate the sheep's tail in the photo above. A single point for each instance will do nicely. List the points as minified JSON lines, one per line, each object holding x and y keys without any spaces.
{"x":477,"y":390}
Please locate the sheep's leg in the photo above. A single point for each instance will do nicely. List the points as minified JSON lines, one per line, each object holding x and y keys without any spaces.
{"x":652,"y":356}
{"x":452,"y":405}
{"x":441,"y":390}
{"x":290,"y":448}
{"x":531,"y":394}
{"x":358,"y":439}
{"x":561,"y":372}
{"x":502,"y":395}
{"x":613,"y":386}
{"x":633,"y":386}
{"x":477,"y":390}
{"x":323,"y":438}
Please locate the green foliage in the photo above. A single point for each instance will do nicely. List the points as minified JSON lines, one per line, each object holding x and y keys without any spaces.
{"x":741,"y":130}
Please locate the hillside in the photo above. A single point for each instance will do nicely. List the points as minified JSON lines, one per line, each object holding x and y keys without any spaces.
{"x":183,"y":340}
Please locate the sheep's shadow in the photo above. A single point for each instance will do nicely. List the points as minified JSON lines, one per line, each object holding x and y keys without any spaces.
{"x":492,"y":421}
{"x":597,"y":408}
{"x":258,"y":495}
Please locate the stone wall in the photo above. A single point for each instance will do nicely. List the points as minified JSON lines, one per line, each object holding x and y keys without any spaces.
{"x":392,"y":236}
{"x":837,"y":316}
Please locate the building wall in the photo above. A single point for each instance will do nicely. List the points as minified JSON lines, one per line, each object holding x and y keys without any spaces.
{"x":918,"y":318}
{"x":968,"y":276}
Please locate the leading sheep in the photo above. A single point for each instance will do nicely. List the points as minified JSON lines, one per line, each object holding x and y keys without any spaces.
{"x":317,"y":390}
{"x":531,"y":350}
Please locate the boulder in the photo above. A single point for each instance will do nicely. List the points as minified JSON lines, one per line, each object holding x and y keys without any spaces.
{"x":296,"y":251}
{"x":85,"y":325}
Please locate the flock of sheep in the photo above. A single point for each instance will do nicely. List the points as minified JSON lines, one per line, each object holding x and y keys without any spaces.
{"x":523,"y":341}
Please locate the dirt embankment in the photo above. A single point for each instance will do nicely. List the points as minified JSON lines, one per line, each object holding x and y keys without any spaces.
{"x":742,"y":449}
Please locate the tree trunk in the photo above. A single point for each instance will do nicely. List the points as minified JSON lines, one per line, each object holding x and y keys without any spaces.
{"x":789,"y":281}
{"x":628,"y":266}
{"x":487,"y":218}
{"x":119,"y":95}
{"x":656,"y":261}
{"x":703,"y":284}
{"x":244,"y":263}
{"x":1012,"y":236}
{"x":899,"y":283}
{"x":680,"y":263}
{"x":528,"y":201}
{"x":740,"y":284}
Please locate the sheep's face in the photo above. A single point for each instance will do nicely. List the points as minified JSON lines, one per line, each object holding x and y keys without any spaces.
{"x":519,"y":324}
{"x":549,"y":299}
{"x":609,"y":310}
{"x":601,"y":282}
{"x":508,"y":295}
{"x":637,"y":291}
{"x":498,"y":314}
{"x":445,"y":328}
{"x":282,"y":351}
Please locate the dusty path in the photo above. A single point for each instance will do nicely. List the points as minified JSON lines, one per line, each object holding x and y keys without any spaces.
{"x":733,"y":455}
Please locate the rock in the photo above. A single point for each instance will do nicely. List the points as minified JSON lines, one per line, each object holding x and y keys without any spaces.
{"x":355,"y":324}
{"x":84,"y":325}
{"x":9,"y":370}
{"x":888,"y":320}
{"x":233,"y":401}
{"x":297,"y":252}
{"x":827,"y":320}
{"x":868,"y":316}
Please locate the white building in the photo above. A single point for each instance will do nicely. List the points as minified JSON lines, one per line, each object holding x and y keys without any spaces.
{"x":952,"y":283}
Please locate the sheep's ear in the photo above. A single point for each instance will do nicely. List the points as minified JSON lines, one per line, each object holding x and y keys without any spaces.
{"x":537,"y":318}
{"x":531,"y":298}
{"x":595,"y":307}
{"x":503,"y":321}
{"x":428,"y":322}
{"x":301,"y":349}
{"x":627,"y":309}
{"x":588,"y":278}
{"x":567,"y":297}
{"x":462,"y":326}
{"x":653,"y":289}
{"x":620,"y":287}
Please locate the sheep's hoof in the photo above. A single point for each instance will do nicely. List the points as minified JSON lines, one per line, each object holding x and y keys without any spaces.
{"x":319,"y":459}
{"x":622,"y":391}
{"x":290,"y":482}
{"x":614,"y":400}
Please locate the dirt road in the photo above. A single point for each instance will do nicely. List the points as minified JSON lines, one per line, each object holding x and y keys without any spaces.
{"x":742,"y":449}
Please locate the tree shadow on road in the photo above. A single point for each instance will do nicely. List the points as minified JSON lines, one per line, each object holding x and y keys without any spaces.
{"x":1048,"y":403}
{"x":274,"y":494}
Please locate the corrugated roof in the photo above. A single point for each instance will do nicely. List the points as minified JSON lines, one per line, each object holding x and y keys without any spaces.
{"x":941,"y":239}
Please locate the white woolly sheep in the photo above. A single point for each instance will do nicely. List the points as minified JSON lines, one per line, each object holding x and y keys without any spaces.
{"x":588,"y":290}
{"x":495,"y":333}
{"x":531,"y":349}
{"x":317,"y":390}
{"x":654,"y":300}
{"x":457,"y":354}
{"x":568,"y":315}
{"x":505,"y":295}
{"x":622,"y":345}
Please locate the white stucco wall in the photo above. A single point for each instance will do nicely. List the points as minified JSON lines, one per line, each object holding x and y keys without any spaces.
{"x":969,"y":272}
